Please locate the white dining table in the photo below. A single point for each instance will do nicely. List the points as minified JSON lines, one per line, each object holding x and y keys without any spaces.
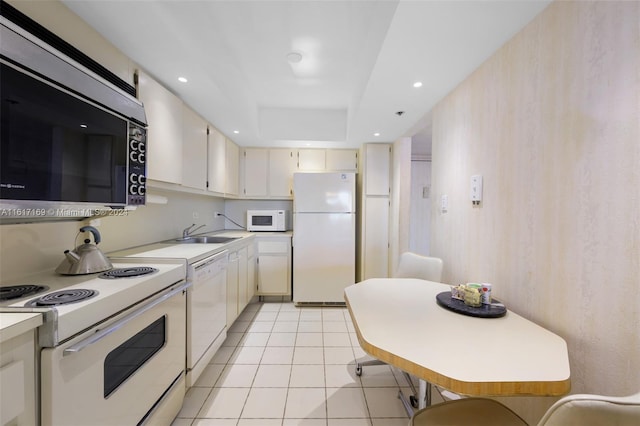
{"x":398,"y":321}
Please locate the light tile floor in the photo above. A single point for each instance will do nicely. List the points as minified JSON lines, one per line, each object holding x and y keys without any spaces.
{"x":283,"y":365}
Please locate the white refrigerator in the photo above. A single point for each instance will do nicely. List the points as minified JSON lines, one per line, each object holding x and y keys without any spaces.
{"x":324,"y":236}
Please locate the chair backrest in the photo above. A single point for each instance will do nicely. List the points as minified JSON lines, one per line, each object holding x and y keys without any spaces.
{"x":593,"y":410}
{"x":414,"y":265}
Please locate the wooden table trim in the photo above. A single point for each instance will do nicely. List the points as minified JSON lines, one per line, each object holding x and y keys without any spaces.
{"x":537,"y":388}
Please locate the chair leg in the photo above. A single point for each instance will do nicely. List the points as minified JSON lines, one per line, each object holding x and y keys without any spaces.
{"x":422,"y":397}
{"x":359,"y":365}
{"x":420,"y":401}
{"x":407,"y":405}
{"x":413,"y":398}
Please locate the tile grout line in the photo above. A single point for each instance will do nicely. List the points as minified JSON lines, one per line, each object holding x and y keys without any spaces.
{"x":324,"y":319}
{"x":244,"y":406}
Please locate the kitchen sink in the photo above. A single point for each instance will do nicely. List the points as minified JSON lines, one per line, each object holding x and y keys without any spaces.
{"x":206,"y":239}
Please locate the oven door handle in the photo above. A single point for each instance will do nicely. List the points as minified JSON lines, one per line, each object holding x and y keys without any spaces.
{"x":83,"y":344}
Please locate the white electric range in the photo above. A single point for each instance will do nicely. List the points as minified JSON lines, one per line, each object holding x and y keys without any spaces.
{"x":114,"y":351}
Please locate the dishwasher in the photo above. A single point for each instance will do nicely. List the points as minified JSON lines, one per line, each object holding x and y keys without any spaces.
{"x":206,"y":312}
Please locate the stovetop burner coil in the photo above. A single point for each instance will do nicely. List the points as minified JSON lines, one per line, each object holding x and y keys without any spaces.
{"x":63,"y":297}
{"x":18,"y":291}
{"x":127,"y":272}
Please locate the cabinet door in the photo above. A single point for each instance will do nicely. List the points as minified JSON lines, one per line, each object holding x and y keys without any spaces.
{"x":282,"y":165}
{"x":194,"y":149}
{"x":255,"y":172}
{"x":273,"y":275}
{"x":376,"y":238}
{"x":232,"y":288}
{"x":232,"y":164}
{"x":377,"y":169}
{"x":274,"y":265}
{"x":164,"y":134}
{"x":342,"y":160}
{"x":251,"y":277}
{"x":18,"y":379}
{"x":310,"y":160}
{"x":243,"y":270}
{"x":216,"y":175}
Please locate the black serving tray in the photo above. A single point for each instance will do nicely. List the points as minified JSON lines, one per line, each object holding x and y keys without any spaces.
{"x":445,"y":300}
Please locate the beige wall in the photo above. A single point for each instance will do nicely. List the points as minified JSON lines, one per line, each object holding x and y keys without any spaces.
{"x":552,"y":122}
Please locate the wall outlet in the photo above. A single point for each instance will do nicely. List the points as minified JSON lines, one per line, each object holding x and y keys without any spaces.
{"x":195,"y":215}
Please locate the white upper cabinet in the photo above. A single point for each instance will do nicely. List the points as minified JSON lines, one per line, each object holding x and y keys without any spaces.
{"x":311,"y":160}
{"x":232,"y":165}
{"x":164,"y":134}
{"x":256,"y":163}
{"x":282,"y":165}
{"x":327,"y":160}
{"x":342,"y":160}
{"x":268,"y":172}
{"x":216,"y":164}
{"x":194,"y":149}
{"x":378,"y":169}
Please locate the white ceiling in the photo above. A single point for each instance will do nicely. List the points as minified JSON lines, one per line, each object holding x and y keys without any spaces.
{"x":359,"y":60}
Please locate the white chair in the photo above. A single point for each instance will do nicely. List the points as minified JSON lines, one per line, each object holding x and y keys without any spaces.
{"x":414,"y":265}
{"x":411,"y":265}
{"x":572,"y":410}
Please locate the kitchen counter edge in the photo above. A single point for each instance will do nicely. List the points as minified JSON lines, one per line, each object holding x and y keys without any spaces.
{"x":191,"y":252}
{"x":13,"y":324}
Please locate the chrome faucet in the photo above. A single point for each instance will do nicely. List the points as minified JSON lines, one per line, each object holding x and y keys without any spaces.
{"x":188,"y":231}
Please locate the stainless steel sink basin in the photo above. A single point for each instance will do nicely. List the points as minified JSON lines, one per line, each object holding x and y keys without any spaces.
{"x":206,"y":239}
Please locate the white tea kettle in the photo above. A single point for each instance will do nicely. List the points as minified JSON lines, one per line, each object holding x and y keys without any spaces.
{"x":86,"y":258}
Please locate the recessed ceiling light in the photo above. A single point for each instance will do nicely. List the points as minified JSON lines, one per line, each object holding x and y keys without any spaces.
{"x":294,"y":57}
{"x":84,"y":126}
{"x":417,"y":84}
{"x":376,"y":134}
{"x":182,"y":80}
{"x":236,"y":131}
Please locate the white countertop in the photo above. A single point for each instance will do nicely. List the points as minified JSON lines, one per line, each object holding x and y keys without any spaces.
{"x":14,"y":324}
{"x":274,"y":234}
{"x":191,"y":252}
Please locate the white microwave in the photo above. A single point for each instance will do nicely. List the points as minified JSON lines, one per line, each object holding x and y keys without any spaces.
{"x":267,"y":220}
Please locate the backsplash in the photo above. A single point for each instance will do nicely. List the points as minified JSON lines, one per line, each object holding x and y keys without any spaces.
{"x":29,"y":248}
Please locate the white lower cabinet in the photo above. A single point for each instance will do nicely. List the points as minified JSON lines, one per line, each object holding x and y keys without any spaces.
{"x":232,"y":288}
{"x":240,"y":280}
{"x":243,"y":292}
{"x":18,"y":379}
{"x":251,"y":272}
{"x":274,"y":265}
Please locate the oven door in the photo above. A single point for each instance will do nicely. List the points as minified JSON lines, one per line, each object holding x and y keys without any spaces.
{"x":115,"y":373}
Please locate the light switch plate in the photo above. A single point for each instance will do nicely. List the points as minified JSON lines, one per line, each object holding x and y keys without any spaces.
{"x":476,"y":189}
{"x":444,"y":203}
